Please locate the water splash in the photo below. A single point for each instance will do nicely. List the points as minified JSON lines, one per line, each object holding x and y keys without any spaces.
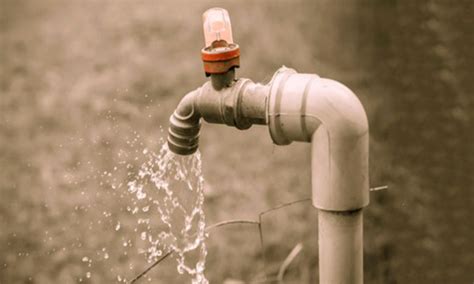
{"x":172,"y":186}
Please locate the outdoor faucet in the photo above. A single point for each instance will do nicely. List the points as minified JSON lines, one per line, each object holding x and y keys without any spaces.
{"x":296,"y":107}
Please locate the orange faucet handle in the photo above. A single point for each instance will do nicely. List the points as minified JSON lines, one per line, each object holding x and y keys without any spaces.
{"x":220,"y":53}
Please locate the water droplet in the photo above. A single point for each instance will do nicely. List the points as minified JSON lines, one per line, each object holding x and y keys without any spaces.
{"x":180,"y":269}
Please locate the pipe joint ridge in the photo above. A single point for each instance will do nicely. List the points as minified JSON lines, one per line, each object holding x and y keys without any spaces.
{"x":308,"y":108}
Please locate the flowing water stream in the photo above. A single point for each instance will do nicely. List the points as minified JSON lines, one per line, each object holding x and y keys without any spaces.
{"x":170,"y":187}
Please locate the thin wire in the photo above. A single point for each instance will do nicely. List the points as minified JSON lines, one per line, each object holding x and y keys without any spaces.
{"x":230,"y":222}
{"x":151,"y":267}
{"x":250,"y":222}
{"x":377,"y":188}
{"x":213,"y":226}
{"x":284,"y":205}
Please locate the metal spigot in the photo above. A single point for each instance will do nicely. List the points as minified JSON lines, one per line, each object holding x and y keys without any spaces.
{"x":185,"y":123}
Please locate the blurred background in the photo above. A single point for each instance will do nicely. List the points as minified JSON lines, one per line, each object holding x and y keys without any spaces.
{"x":86,"y":86}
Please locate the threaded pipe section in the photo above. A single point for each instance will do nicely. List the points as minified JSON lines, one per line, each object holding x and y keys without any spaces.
{"x":183,"y":134}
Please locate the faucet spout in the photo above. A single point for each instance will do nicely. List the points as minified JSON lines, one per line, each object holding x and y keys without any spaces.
{"x":240,"y":103}
{"x":184,"y":126}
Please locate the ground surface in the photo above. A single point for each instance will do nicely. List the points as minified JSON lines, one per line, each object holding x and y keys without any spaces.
{"x":87,"y":85}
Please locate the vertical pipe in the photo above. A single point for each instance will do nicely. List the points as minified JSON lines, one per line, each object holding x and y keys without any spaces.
{"x":340,"y":247}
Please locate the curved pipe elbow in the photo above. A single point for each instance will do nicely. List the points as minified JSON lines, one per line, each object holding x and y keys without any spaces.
{"x":304,"y":107}
{"x":187,"y":106}
{"x":184,"y":126}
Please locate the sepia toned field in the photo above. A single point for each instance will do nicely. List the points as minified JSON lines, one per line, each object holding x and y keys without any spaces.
{"x":87,"y":86}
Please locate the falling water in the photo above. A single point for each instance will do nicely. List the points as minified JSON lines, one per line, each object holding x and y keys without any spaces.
{"x":172,"y":186}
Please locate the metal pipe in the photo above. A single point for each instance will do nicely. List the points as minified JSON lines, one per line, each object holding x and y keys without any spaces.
{"x":184,"y":126}
{"x":241,"y":104}
{"x":223,"y":80}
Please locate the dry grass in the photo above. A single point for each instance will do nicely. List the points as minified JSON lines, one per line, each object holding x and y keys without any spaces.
{"x":87,"y":85}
